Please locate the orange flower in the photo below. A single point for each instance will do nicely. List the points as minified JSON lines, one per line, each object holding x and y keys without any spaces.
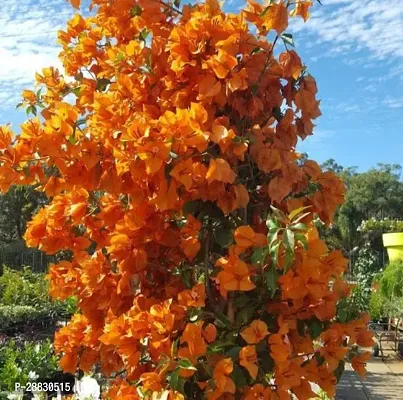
{"x":291,"y":64}
{"x":193,"y":336}
{"x":268,"y":160}
{"x":255,"y":333}
{"x":29,"y":96}
{"x":219,"y":170}
{"x":276,"y":17}
{"x":222,"y":64}
{"x":235,"y":274}
{"x":302,"y":9}
{"x":248,"y":359}
{"x":210,"y":333}
{"x":151,"y":381}
{"x":154,"y":154}
{"x":359,"y":362}
{"x":279,"y":349}
{"x":246,"y":237}
{"x":194,"y":297}
{"x":258,"y":392}
{"x":221,"y":372}
{"x":145,"y":148}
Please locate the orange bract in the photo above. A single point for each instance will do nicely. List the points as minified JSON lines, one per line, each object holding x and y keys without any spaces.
{"x":161,"y":150}
{"x":255,"y":333}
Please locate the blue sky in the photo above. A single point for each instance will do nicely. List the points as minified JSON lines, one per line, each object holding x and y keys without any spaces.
{"x":354,"y":49}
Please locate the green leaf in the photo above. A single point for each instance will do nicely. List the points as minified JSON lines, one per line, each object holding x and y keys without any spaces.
{"x":234,"y":353}
{"x":299,"y":237}
{"x":145,"y":69}
{"x":244,"y":315}
{"x":184,"y":363}
{"x":279,"y":214}
{"x":31,"y":110}
{"x":19,"y":105}
{"x":256,"y":50}
{"x":288,"y":39}
{"x":192,"y":207}
{"x":272,"y":225}
{"x":77,"y":91}
{"x":263,"y":13}
{"x":342,"y":315}
{"x":315,"y":328}
{"x":259,"y":255}
{"x":301,"y":217}
{"x":289,"y":258}
{"x":72,"y":139}
{"x":271,"y":277}
{"x":120,"y":57}
{"x":194,"y":314}
{"x":218,"y":347}
{"x":239,"y":377}
{"x":223,"y":237}
{"x":266,"y":362}
{"x":297,"y":211}
{"x":177,"y":3}
{"x":186,"y":275}
{"x":319,"y":359}
{"x":144,"y":34}
{"x":135,"y":11}
{"x":222,"y":320}
{"x":338,"y":372}
{"x":274,"y":253}
{"x":298,"y":227}
{"x":276,"y":112}
{"x":242,"y":300}
{"x":289,"y":240}
{"x":272,"y":238}
{"x":174,"y":380}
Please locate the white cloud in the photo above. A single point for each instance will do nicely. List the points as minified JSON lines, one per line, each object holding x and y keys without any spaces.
{"x":28,"y":43}
{"x":353,"y":25}
{"x":393,"y":102}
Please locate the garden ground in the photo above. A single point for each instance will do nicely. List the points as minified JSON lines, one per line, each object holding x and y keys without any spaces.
{"x":384,"y":381}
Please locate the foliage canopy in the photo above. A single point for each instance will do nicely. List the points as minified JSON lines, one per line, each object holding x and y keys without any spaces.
{"x":175,"y":185}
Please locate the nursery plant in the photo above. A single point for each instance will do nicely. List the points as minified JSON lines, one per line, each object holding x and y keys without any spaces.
{"x":175,"y":188}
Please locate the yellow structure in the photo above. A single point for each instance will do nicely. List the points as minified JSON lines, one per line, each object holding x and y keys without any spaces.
{"x":394,"y":244}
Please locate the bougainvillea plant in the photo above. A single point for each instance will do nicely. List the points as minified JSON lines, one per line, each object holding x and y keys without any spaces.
{"x":167,"y":152}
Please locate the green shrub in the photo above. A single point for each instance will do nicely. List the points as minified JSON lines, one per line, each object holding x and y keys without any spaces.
{"x":17,"y":362}
{"x":391,"y":282}
{"x":377,"y":306}
{"x":25,"y":288}
{"x":366,"y":266}
{"x":359,"y":299}
{"x":11,"y":316}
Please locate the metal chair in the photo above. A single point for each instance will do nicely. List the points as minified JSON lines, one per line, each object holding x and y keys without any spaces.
{"x":386,"y":332}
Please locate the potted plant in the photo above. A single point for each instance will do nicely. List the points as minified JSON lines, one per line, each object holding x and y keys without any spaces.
{"x":392,"y":235}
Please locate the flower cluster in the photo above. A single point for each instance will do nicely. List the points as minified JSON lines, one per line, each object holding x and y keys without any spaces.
{"x":174,"y":185}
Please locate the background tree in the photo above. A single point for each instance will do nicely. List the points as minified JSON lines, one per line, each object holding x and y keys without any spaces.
{"x":377,"y":193}
{"x":17,"y":207}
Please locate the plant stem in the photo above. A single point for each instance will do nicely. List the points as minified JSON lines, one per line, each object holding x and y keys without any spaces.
{"x":206,"y":264}
{"x":230,"y":308}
